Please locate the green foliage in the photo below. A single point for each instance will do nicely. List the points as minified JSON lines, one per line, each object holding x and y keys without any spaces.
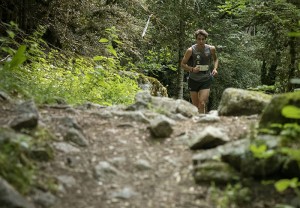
{"x":158,"y":61}
{"x":290,"y":134}
{"x":15,"y":165}
{"x":291,"y":131}
{"x":291,"y":111}
{"x":233,"y":7}
{"x":18,"y":156}
{"x":233,"y":196}
{"x":283,"y":206}
{"x":112,"y":39}
{"x":283,"y":184}
{"x":261,"y":151}
{"x":271,"y":24}
{"x":17,"y":59}
{"x":75,"y":79}
{"x":269,"y":89}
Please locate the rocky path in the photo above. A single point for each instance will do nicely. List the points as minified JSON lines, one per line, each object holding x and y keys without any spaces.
{"x":111,"y":157}
{"x":122,"y":165}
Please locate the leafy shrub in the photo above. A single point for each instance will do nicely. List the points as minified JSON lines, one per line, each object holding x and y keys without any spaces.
{"x":15,"y":166}
{"x":76,"y":79}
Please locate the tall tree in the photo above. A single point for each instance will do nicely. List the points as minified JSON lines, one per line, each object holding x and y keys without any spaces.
{"x":272,"y":20}
{"x":181,"y":37}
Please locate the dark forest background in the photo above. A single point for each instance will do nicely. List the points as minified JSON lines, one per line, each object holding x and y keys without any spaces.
{"x":94,"y":50}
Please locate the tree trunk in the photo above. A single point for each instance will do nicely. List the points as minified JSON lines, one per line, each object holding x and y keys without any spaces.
{"x":268,"y":75}
{"x":292,"y":66}
{"x":180,"y":50}
{"x":263,"y":73}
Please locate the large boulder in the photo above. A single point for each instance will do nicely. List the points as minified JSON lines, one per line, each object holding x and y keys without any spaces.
{"x":249,"y":163}
{"x":238,"y":102}
{"x":272,"y":113}
{"x":163,"y":105}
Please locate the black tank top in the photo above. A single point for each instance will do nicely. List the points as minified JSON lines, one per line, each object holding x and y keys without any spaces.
{"x":199,"y":58}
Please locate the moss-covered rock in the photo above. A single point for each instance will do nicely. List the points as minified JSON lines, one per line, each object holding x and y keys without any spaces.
{"x":152,"y":85}
{"x":236,"y":102}
{"x":215,"y":171}
{"x":272,"y":113}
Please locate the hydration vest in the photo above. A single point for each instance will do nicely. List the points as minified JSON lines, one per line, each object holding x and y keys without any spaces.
{"x":200,"y":58}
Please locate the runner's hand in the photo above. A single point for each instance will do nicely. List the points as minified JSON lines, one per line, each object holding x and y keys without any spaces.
{"x":214,"y":72}
{"x":196,"y":69}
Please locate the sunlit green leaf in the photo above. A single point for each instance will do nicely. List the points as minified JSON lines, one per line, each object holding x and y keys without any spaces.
{"x":294,"y":34}
{"x":103,"y":40}
{"x":98,"y":58}
{"x":117,"y":41}
{"x":11,"y":34}
{"x":282,"y":185}
{"x":291,"y":111}
{"x":17,"y":59}
{"x":112,"y":51}
{"x":294,"y":182}
{"x":293,"y":153}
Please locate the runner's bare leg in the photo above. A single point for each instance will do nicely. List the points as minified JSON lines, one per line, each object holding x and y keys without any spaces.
{"x":202,"y":100}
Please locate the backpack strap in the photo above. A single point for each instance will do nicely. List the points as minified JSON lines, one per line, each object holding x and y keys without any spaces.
{"x":191,"y":59}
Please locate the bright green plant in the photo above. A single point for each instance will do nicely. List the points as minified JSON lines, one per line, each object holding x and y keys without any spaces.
{"x":158,"y":61}
{"x":283,"y":184}
{"x":291,"y":111}
{"x":290,"y":132}
{"x":261,"y":151}
{"x":57,"y":74}
{"x":111,"y":60}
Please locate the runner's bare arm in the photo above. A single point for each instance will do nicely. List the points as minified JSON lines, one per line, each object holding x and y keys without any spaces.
{"x":185,"y":60}
{"x":215,"y":59}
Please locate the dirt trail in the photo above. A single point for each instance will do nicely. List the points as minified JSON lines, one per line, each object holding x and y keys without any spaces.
{"x":123,"y":166}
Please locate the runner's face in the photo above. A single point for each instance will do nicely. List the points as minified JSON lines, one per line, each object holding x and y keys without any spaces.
{"x":200,"y":40}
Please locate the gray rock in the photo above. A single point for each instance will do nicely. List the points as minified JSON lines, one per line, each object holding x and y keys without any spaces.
{"x":27,"y":107}
{"x":237,"y":102}
{"x":143,"y":165}
{"x":66,"y":148}
{"x":76,"y":137}
{"x":27,"y":116}
{"x":44,"y":199}
{"x":104,"y":168}
{"x":10,"y":198}
{"x":236,"y":147}
{"x":44,"y":154}
{"x":186,"y":109}
{"x":5,"y":97}
{"x":161,"y":127}
{"x":6,"y":134}
{"x":208,"y":118}
{"x":117,"y":161}
{"x":70,"y":122}
{"x":132,"y":115}
{"x":207,"y":138}
{"x":163,"y":105}
{"x":125,"y":193}
{"x":68,"y":181}
{"x":238,"y":155}
{"x":24,"y":121}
